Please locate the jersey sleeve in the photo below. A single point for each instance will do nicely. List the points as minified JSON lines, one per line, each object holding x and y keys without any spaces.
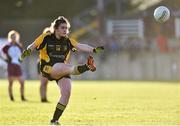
{"x":4,"y":53}
{"x":5,"y":49}
{"x":40,"y":39}
{"x":73,"y":42}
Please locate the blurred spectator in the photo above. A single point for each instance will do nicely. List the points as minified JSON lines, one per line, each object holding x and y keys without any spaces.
{"x":162,"y":43}
{"x":135,"y":45}
{"x":113,"y":44}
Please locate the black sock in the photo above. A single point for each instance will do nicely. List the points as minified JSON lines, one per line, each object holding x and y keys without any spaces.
{"x":58,"y":112}
{"x":82,"y":68}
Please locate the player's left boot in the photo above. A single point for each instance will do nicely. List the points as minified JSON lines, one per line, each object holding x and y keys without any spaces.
{"x":44,"y":100}
{"x":11,"y":98}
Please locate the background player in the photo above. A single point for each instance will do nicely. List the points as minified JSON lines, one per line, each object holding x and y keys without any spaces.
{"x":12,"y":50}
{"x":43,"y":80}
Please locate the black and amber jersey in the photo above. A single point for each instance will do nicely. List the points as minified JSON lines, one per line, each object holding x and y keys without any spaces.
{"x":53,"y":50}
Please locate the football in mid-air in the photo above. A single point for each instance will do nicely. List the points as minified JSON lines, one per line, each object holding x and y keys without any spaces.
{"x":161,"y":14}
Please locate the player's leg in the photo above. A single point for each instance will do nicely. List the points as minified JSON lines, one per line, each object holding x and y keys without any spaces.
{"x":60,"y":69}
{"x":43,"y":88}
{"x":10,"y":70}
{"x":43,"y":84}
{"x":65,"y":88}
{"x":10,"y":92}
{"x":19,"y":76}
{"x":21,"y":81}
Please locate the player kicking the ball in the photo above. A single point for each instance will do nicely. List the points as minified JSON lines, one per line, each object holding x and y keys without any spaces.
{"x":54,"y":50}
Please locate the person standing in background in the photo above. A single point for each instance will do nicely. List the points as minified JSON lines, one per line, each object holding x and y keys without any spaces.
{"x":43,"y":80}
{"x":12,"y":50}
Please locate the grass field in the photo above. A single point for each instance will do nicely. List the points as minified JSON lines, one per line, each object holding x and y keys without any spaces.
{"x":96,"y":103}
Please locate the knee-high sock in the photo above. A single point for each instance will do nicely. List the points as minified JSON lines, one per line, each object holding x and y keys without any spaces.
{"x":80,"y":69}
{"x":58,"y":112}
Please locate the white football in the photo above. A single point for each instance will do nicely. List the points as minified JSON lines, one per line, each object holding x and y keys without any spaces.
{"x":161,"y":14}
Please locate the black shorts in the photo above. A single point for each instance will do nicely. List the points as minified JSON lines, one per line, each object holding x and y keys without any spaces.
{"x":44,"y":64}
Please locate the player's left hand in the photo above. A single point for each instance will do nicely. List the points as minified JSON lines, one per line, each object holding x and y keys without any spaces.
{"x":98,"y":49}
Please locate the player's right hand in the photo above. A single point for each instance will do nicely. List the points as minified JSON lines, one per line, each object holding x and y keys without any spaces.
{"x":25,"y":53}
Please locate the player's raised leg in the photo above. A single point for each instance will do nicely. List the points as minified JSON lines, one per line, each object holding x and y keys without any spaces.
{"x":60,"y":69}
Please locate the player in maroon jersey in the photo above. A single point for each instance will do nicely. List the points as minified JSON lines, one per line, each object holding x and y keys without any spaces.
{"x":12,"y":50}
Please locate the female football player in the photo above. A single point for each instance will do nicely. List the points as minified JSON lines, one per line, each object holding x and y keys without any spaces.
{"x":55,"y":49}
{"x":12,"y":50}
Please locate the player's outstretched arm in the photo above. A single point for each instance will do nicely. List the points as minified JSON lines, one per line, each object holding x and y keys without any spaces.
{"x":27,"y":52}
{"x":90,"y":49}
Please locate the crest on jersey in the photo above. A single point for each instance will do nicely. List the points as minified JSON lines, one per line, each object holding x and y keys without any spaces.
{"x":58,"y":47}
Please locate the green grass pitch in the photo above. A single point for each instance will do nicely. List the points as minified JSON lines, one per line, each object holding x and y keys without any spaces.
{"x":96,"y":103}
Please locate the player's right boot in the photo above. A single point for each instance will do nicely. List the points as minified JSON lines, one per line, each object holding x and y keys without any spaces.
{"x":23,"y":98}
{"x":54,"y":123}
{"x":90,"y":64}
{"x":11,"y":98}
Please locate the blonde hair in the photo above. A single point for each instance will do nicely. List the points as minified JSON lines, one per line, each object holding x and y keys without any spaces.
{"x":13,"y":32}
